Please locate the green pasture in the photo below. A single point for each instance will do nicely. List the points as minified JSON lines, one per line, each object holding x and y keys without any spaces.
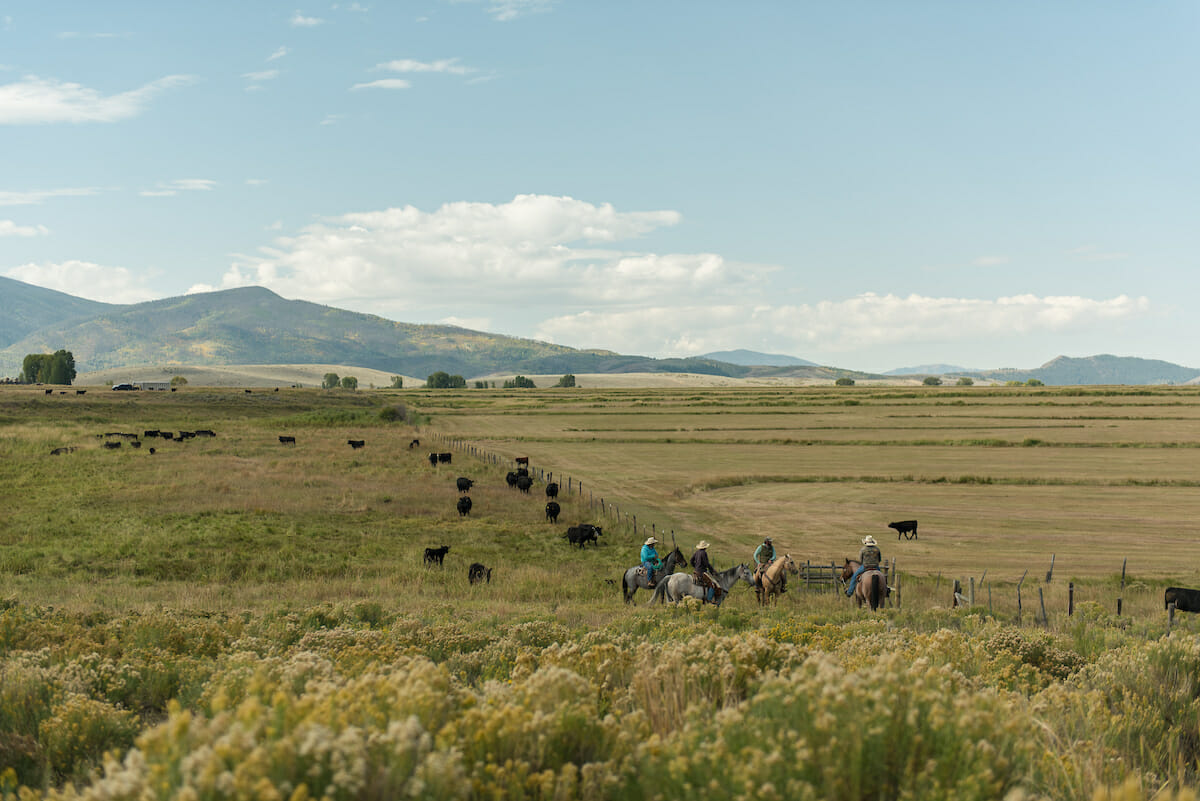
{"x":238,"y":618}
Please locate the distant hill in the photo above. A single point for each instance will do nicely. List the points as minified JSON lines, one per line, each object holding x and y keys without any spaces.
{"x":253,"y":325}
{"x":935,"y":369}
{"x":24,"y":308}
{"x":750,"y":358}
{"x":1102,"y":369}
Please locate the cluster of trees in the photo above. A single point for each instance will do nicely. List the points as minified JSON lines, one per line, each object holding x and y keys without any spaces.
{"x":48,"y":368}
{"x":443,"y":380}
{"x":332,"y":381}
{"x":520,"y":382}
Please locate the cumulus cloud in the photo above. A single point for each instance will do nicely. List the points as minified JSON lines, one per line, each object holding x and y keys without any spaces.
{"x":171,"y":188}
{"x":10,"y":228}
{"x":450,"y":66}
{"x":300,"y":21}
{"x":385,"y":83}
{"x":506,"y":10}
{"x":34,"y":100}
{"x":86,"y":280}
{"x":835,"y":326}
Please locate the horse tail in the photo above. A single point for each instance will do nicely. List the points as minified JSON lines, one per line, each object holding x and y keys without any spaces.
{"x":658,"y":590}
{"x":625,"y":588}
{"x":876,"y":599}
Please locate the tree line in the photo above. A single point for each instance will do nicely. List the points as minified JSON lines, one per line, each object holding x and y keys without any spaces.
{"x":48,"y":368}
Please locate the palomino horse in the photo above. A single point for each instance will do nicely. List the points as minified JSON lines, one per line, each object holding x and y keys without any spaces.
{"x":773,"y":578}
{"x":635,"y":578}
{"x":871,"y":588}
{"x":678,"y":585}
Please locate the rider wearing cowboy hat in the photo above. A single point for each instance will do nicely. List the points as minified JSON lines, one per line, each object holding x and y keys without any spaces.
{"x":869,"y":558}
{"x":650,"y":560}
{"x":704,"y":570}
{"x":764,"y":555}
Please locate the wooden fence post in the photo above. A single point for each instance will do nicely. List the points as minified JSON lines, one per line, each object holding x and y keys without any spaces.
{"x":1019,"y":583}
{"x":1050,"y":572}
{"x":1170,"y":615}
{"x":971,"y":593}
{"x":1121,"y":595}
{"x":1042,"y":601}
{"x":1070,"y":598}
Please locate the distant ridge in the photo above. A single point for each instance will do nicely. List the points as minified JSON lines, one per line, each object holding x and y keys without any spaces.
{"x":750,"y":358}
{"x":24,"y":308}
{"x":934,"y":369}
{"x":1096,"y":370}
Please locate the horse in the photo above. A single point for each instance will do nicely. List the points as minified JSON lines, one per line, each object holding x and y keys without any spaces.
{"x":872,"y":586}
{"x":773,"y":578}
{"x":680,"y":584}
{"x":635,"y":578}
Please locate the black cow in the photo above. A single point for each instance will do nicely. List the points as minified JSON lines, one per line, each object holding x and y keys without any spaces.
{"x":907,"y":528}
{"x":582,"y":534}
{"x":434,"y":556}
{"x":524,"y":483}
{"x":60,"y":451}
{"x":464,"y":484}
{"x":522,"y":471}
{"x":552,"y":510}
{"x":552,"y":489}
{"x":112,"y":445}
{"x":187,"y":434}
{"x":416,"y":443}
{"x":511,"y":479}
{"x":1185,"y":600}
{"x":49,"y":392}
{"x":171,"y":435}
{"x":477,"y":573}
{"x":285,"y":440}
{"x":444,"y":458}
{"x":205,"y":432}
{"x":136,"y":444}
{"x":150,"y":432}
{"x":464,"y":506}
{"x":356,"y":443}
{"x":522,"y":460}
{"x":433,"y":460}
{"x":81,"y":392}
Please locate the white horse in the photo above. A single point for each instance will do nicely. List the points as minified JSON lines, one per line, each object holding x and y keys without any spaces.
{"x":678,"y":585}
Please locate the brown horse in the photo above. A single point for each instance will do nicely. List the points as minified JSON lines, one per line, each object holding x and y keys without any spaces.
{"x":772,"y":580}
{"x":871,"y":588}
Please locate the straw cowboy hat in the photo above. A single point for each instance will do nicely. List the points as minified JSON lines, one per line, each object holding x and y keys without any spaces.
{"x":650,"y":541}
{"x":869,"y":540}
{"x":702,"y":545}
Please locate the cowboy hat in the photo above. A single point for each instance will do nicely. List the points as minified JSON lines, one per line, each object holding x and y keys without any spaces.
{"x":766,"y":539}
{"x":702,"y":545}
{"x":650,"y":541}
{"x":869,"y":540}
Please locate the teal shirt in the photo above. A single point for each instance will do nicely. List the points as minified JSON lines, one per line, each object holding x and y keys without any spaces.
{"x":764,"y":554}
{"x":651,"y":555}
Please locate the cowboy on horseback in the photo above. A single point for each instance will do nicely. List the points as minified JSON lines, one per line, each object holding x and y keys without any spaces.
{"x":764,"y":555}
{"x":870,"y":558}
{"x":704,"y":572}
{"x":650,"y":560}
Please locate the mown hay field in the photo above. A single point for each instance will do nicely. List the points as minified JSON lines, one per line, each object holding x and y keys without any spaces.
{"x":232,"y":617}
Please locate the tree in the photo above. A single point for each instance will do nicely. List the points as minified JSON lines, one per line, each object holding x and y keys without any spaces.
{"x":567,"y":380}
{"x":966,"y":382}
{"x":349,"y":382}
{"x":443,"y":380}
{"x":1034,"y":382}
{"x":844,"y":381}
{"x":178,"y":381}
{"x":932,"y":381}
{"x":48,"y":368}
{"x":520,"y":382}
{"x":397,"y":382}
{"x":331,"y":381}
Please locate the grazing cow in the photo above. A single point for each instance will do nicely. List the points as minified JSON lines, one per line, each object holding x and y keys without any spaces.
{"x":582,"y":534}
{"x":247,"y":392}
{"x":152,"y":450}
{"x":434,"y":556}
{"x":552,"y":489}
{"x":356,"y":443}
{"x":464,"y":506}
{"x":49,"y":392}
{"x":167,"y":434}
{"x":187,"y":434}
{"x":1185,"y":600}
{"x":523,"y":460}
{"x":524,"y":483}
{"x":135,"y":444}
{"x":522,"y":471}
{"x":907,"y":528}
{"x":150,"y":432}
{"x":477,"y":573}
{"x":552,"y":510}
{"x":416,"y":443}
{"x":433,"y":460}
{"x":81,"y":392}
{"x":61,"y":451}
{"x":112,"y":445}
{"x":286,"y":440}
{"x":444,"y":458}
{"x":511,"y":479}
{"x":464,"y":484}
{"x":205,"y":433}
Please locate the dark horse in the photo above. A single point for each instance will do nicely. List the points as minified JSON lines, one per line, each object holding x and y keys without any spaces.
{"x":635,"y":578}
{"x":871,"y":588}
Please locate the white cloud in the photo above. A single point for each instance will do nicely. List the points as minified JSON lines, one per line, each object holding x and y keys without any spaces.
{"x":844,"y":326}
{"x":262,"y":75}
{"x":279,"y":53}
{"x":37,"y":197}
{"x":170,"y":188}
{"x":385,"y":83}
{"x":34,"y":100}
{"x":472,"y":323}
{"x":507,"y":10}
{"x":300,"y":21}
{"x":86,"y":280}
{"x":10,"y":228}
{"x":449,"y":66}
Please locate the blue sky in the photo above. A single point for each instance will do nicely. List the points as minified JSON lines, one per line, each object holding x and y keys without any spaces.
{"x":868,"y":185}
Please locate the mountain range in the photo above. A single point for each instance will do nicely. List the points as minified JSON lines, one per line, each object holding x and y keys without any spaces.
{"x":253,"y":325}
